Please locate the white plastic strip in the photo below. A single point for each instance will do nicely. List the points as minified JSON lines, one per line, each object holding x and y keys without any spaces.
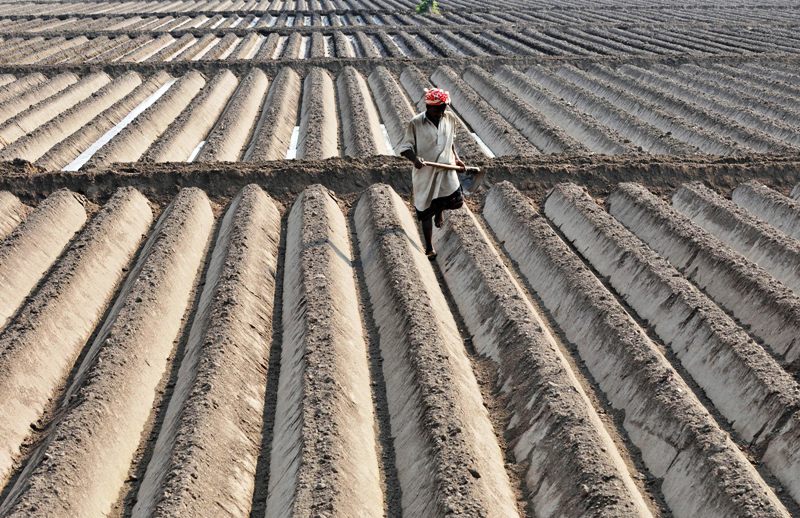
{"x":235,"y":24}
{"x":306,"y":21}
{"x":305,"y":42}
{"x":386,"y":139}
{"x":218,"y":23}
{"x":290,"y":21}
{"x":488,"y":152}
{"x":272,"y":21}
{"x":291,"y":153}
{"x":254,"y":22}
{"x":196,"y":151}
{"x":84,"y":157}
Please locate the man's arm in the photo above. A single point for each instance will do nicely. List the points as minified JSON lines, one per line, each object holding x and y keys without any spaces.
{"x":407,"y":146}
{"x":409,"y":154}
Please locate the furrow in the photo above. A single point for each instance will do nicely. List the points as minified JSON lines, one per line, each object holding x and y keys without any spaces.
{"x":318,"y":46}
{"x":342,"y":46}
{"x":635,"y":270}
{"x":361,"y":131}
{"x":760,"y":132}
{"x":447,"y":461}
{"x":35,"y":143}
{"x":195,"y":122}
{"x":701,"y":471}
{"x":12,"y":213}
{"x":609,"y":45}
{"x":764,"y":102}
{"x":639,"y":132}
{"x":132,"y":142}
{"x":324,"y":455}
{"x":65,"y":151}
{"x":758,"y":79}
{"x":206,"y":459}
{"x":453,"y":46}
{"x":550,"y":412}
{"x":78,"y":54}
{"x":651,"y":113}
{"x":23,"y":48}
{"x":199,"y":45}
{"x":770,"y":311}
{"x":694,"y":113}
{"x":21,"y":85}
{"x":292,"y":48}
{"x":171,"y":50}
{"x":37,"y":93}
{"x":40,"y":345}
{"x":30,"y":249}
{"x":319,"y":133}
{"x":581,"y":127}
{"x":267,"y":48}
{"x":525,"y":117}
{"x":46,"y":110}
{"x":394,"y":106}
{"x":143,"y":52}
{"x":51,"y":49}
{"x":229,"y":138}
{"x":748,"y":387}
{"x":411,"y":46}
{"x":124,"y":47}
{"x":532,"y":41}
{"x":223,"y":47}
{"x":246,"y":47}
{"x":273,"y":134}
{"x":501,"y":137}
{"x":764,"y":245}
{"x":776,"y":209}
{"x":369,"y":47}
{"x":85,"y":457}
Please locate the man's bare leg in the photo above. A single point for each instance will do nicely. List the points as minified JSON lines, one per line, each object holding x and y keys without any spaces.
{"x":427,"y":233}
{"x":438,"y":219}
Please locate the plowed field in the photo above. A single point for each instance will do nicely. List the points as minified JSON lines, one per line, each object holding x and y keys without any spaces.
{"x":214,"y":299}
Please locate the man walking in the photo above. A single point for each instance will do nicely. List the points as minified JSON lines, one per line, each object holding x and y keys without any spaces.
{"x":429,"y":137}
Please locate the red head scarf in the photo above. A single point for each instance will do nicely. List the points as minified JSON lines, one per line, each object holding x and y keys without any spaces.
{"x":436,"y":96}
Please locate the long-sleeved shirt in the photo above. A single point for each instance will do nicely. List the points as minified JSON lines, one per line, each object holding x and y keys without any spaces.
{"x":432,"y":144}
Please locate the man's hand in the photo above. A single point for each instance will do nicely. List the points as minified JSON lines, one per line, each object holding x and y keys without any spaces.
{"x":410,"y":155}
{"x":460,"y":163}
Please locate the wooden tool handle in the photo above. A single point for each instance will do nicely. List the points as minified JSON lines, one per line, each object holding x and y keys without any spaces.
{"x":452,"y":167}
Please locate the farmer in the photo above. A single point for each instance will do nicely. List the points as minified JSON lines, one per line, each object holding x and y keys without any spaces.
{"x":429,"y":138}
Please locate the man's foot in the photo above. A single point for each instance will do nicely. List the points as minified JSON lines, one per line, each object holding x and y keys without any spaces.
{"x":438,"y":220}
{"x":431,"y":254}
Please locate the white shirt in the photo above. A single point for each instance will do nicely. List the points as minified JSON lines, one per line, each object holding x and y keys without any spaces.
{"x":431,"y":144}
